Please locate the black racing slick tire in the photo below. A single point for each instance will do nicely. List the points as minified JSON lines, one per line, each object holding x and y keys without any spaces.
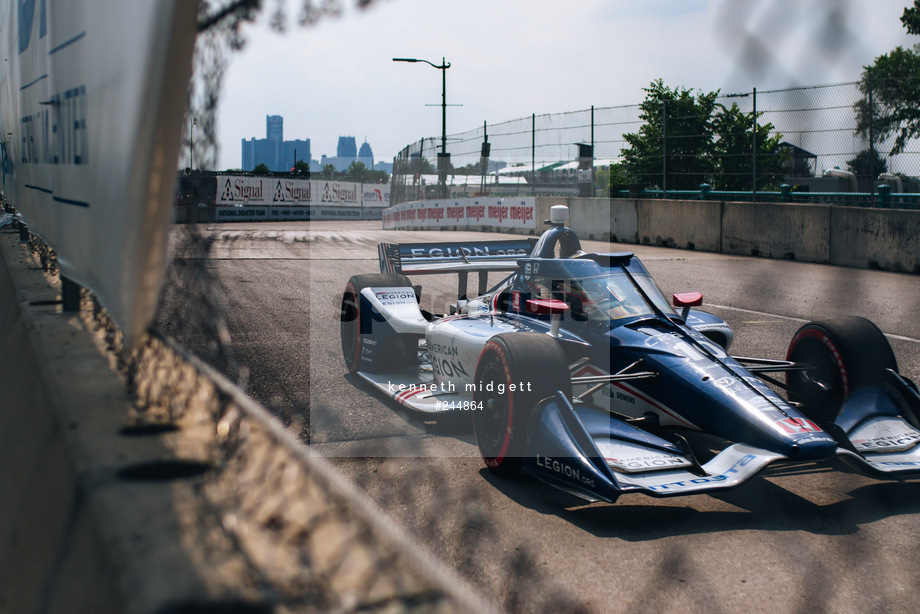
{"x":843,"y":354}
{"x":400,"y":350}
{"x":537,"y":367}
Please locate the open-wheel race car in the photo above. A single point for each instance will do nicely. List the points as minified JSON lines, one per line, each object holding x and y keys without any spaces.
{"x":577,"y":370}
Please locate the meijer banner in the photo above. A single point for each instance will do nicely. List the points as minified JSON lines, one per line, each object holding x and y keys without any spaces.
{"x":512,"y":212}
{"x":92,"y":94}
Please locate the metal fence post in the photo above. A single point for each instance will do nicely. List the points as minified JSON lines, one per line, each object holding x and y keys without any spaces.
{"x":754,"y":151}
{"x":533,"y":154}
{"x":664,"y":149}
{"x":884,"y":196}
{"x":873,"y":170}
{"x":785,"y":190}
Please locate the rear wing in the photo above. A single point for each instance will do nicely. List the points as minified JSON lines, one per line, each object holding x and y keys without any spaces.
{"x":459,"y":257}
{"x":432,"y":258}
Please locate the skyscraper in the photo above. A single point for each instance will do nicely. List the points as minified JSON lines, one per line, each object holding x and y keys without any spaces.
{"x":274,"y":128}
{"x":273,"y":151}
{"x":347,"y":148}
{"x":365,"y":155}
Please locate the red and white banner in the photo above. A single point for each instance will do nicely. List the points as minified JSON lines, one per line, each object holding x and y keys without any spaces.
{"x":376,"y":195}
{"x":506,"y":213}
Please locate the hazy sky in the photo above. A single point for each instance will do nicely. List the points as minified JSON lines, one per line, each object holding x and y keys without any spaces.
{"x":511,"y":58}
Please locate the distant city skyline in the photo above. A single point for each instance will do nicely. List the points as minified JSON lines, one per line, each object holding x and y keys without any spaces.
{"x":280,"y":155}
{"x":273,"y":151}
{"x":551,"y":60}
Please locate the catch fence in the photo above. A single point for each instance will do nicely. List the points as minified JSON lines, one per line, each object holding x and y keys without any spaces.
{"x":817,"y":153}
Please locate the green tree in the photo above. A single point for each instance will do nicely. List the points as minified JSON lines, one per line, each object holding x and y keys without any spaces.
{"x":868,"y":164}
{"x":473,"y":168}
{"x":301,"y":168}
{"x":611,"y":179}
{"x":421,"y":166}
{"x":329,"y":171}
{"x":377,"y":177}
{"x":734,"y":165}
{"x":891,"y":92}
{"x":673,"y":148}
{"x":357,"y":171}
{"x":911,"y":18}
{"x":261,"y":169}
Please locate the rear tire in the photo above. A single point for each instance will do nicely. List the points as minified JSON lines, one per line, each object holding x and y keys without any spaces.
{"x":399,"y":350}
{"x":845,"y":353}
{"x":501,"y":426}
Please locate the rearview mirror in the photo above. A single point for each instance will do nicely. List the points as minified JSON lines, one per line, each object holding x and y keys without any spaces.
{"x":686,"y":300}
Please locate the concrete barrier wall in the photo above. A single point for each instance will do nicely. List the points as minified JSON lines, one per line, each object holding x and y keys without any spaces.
{"x":888,"y":239}
{"x":51,"y":552}
{"x":100,"y":513}
{"x":875,"y":238}
{"x":791,"y":231}
{"x":615,"y":221}
{"x":690,"y":224}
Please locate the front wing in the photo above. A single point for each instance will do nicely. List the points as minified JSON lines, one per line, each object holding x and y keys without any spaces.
{"x":566,"y":455}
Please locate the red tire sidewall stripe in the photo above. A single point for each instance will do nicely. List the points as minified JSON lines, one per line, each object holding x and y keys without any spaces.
{"x":813,"y":333}
{"x":492,"y":346}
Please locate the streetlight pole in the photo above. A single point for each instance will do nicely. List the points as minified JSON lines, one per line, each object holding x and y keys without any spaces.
{"x":443,"y":157}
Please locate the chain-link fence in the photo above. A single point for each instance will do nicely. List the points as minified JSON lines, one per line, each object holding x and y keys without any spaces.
{"x":811,"y":146}
{"x":550,"y":154}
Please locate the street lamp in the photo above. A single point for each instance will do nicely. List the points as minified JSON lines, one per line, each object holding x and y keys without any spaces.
{"x":443,"y":157}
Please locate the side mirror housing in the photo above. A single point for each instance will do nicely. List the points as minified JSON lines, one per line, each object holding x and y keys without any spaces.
{"x":551,"y":307}
{"x":686,"y":300}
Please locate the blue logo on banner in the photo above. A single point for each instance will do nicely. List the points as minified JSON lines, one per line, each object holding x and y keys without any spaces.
{"x":26,"y":17}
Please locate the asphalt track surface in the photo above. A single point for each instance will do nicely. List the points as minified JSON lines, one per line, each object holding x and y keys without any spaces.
{"x":803,"y":538}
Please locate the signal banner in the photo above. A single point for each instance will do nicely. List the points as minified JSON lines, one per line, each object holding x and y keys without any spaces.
{"x":506,"y":213}
{"x":249,"y":213}
{"x":275,"y":191}
{"x":246,"y":190}
{"x":331,"y":193}
{"x":241,"y":214}
{"x":92,"y":96}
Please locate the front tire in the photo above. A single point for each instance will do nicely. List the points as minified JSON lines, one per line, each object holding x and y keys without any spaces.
{"x":532,"y":361}
{"x":399,"y":352}
{"x":845,"y":354}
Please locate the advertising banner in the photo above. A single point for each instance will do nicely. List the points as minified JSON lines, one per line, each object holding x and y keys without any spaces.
{"x":241,"y":214}
{"x":377,"y":195}
{"x":290,"y":213}
{"x":249,"y":213}
{"x":338,"y":193}
{"x":92,"y":95}
{"x":246,"y":190}
{"x":273,"y":191}
{"x":337,"y":213}
{"x":516,"y":212}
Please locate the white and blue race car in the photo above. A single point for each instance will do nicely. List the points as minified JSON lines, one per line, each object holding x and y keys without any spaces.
{"x":576,"y":369}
